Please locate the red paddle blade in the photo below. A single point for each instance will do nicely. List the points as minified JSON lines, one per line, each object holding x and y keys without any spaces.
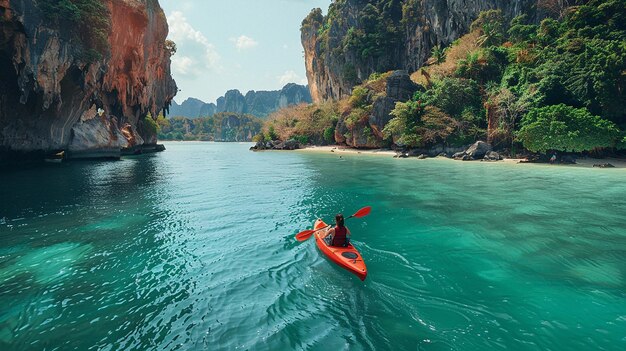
{"x":363,"y":212}
{"x":302,"y":236}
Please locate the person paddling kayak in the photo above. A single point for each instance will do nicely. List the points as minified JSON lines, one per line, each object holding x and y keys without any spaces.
{"x":340,"y":235}
{"x":337,"y":246}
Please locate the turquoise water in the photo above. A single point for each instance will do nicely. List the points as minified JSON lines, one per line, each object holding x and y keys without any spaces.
{"x":193,"y":249}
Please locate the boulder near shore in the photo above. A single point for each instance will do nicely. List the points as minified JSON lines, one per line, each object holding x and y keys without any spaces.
{"x":290,"y":144}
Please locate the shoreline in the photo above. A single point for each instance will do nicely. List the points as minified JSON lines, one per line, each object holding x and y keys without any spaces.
{"x":347,"y":150}
{"x":580,"y":163}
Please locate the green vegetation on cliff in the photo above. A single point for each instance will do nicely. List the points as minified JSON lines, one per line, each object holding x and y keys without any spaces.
{"x":568,"y":72}
{"x":557,"y":84}
{"x":416,"y":124}
{"x":565,"y":128}
{"x":313,"y":123}
{"x":368,"y":40}
{"x":88,"y":20}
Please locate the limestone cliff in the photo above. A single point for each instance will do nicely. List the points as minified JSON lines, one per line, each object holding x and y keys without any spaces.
{"x":233,"y":101}
{"x":60,"y":91}
{"x":263,"y":103}
{"x":257,"y":103}
{"x":357,"y":38}
{"x":190,"y":108}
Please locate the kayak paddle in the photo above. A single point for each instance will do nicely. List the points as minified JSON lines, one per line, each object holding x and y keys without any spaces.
{"x":362,"y":212}
{"x":302,"y":236}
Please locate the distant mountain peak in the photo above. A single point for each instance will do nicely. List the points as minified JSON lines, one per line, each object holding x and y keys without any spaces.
{"x":193,"y":100}
{"x":257,"y":103}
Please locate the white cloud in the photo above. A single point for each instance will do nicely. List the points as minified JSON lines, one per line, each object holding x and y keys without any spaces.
{"x":291,"y":77}
{"x":185,"y":37}
{"x":182,"y":65}
{"x":244,"y":42}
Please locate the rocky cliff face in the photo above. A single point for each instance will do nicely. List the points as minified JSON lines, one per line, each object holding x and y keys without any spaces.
{"x":262,"y":103}
{"x":358,"y":38}
{"x":368,"y":133}
{"x":257,"y":103}
{"x":233,"y":101}
{"x":208,"y":110}
{"x":56,"y":95}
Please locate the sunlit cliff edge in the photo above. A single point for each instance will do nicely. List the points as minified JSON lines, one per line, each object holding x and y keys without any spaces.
{"x":79,"y":80}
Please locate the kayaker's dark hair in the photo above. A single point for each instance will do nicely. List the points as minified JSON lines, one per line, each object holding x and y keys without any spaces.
{"x":339,"y":219}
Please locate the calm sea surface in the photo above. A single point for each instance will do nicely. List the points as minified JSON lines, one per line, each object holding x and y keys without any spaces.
{"x":193,"y":248}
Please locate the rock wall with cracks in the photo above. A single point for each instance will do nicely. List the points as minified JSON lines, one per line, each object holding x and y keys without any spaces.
{"x":51,"y":98}
{"x":422,"y":25}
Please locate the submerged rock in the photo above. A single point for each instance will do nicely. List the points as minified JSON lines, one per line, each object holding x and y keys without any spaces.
{"x":603,"y":165}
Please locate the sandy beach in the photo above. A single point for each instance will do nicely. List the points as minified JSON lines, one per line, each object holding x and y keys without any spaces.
{"x":341,"y":150}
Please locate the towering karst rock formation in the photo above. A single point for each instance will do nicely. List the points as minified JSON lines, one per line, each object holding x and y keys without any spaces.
{"x":357,"y":38}
{"x":257,"y":103}
{"x":81,"y":78}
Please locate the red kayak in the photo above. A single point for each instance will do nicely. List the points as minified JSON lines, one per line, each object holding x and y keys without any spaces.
{"x":346,"y":257}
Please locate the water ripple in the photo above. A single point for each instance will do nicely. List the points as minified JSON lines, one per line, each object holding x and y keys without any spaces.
{"x":194,"y":249}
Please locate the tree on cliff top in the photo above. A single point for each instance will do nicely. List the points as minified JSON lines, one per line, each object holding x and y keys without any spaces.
{"x":314,"y":19}
{"x":490,"y":25}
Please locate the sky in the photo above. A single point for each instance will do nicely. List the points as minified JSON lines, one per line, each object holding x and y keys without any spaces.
{"x":236,"y":44}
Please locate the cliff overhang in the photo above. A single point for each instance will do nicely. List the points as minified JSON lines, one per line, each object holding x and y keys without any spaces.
{"x":59,"y":91}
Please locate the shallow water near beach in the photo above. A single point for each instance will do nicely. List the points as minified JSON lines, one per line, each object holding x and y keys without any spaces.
{"x":194,"y":248}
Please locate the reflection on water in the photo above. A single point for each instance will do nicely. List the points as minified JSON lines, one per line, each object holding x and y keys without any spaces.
{"x":193,"y":248}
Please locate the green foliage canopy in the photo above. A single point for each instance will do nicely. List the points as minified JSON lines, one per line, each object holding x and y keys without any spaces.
{"x":223,"y":126}
{"x":567,"y":74}
{"x":87,"y":20}
{"x":565,"y":128}
{"x":491,"y":26}
{"x":579,"y":61}
{"x":404,"y":125}
{"x":150,"y":125}
{"x":416,"y":124}
{"x":455,"y":95}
